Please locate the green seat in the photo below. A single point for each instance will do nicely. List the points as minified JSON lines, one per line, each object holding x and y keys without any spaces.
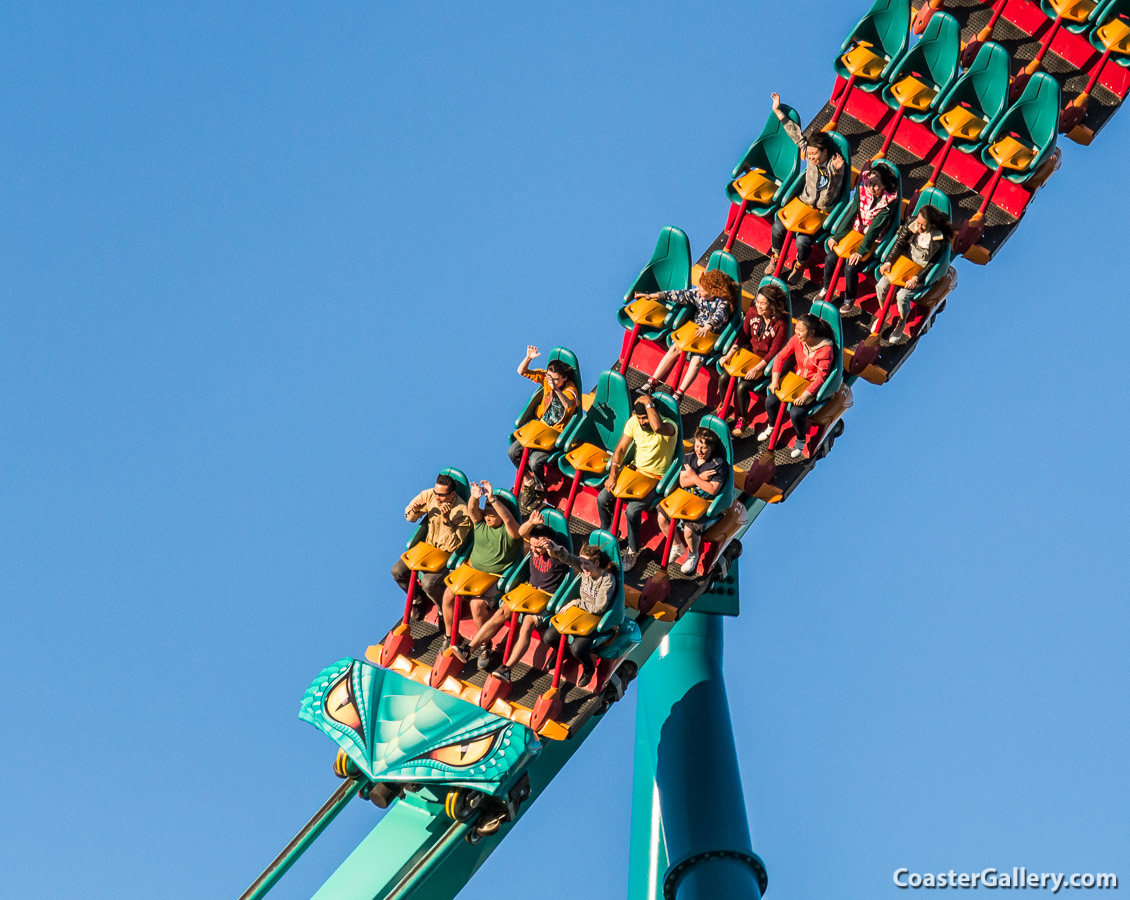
{"x":601,"y":424}
{"x":851,"y":208}
{"x":726,"y":263}
{"x":1087,"y":24}
{"x":669,"y":409}
{"x":1105,"y":12}
{"x":932,"y":196}
{"x":668,"y":270}
{"x":773,"y":152}
{"x":837,"y":209}
{"x":932,"y":60}
{"x":565,"y":355}
{"x":886,"y":27}
{"x":724,"y":497}
{"x":822,"y":309}
{"x":1033,"y":120}
{"x":982,"y":89}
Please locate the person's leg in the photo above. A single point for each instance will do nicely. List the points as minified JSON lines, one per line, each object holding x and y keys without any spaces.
{"x":778,"y":236}
{"x":580,"y":650}
{"x":490,"y":628}
{"x":692,"y":370}
{"x":401,"y":574}
{"x":448,"y":606}
{"x":515,"y":453}
{"x":903,"y":298}
{"x":606,"y":504}
{"x":799,"y":417}
{"x":743,"y":399}
{"x":881,"y":290}
{"x":664,"y":365}
{"x":772,"y":405}
{"x":803,"y":247}
{"x":851,"y":282}
{"x":829,"y":267}
{"x":633,"y":514}
{"x":431,"y":583}
{"x":723,"y":386}
{"x":536,"y":462}
{"x":522,"y":641}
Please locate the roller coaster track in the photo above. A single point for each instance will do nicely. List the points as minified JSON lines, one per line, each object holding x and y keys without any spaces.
{"x":415,"y":850}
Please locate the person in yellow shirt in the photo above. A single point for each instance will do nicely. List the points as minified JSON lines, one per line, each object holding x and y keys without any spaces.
{"x":559,"y":400}
{"x":655,"y":438}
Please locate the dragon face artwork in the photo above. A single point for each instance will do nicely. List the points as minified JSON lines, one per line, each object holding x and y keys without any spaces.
{"x":396,"y":730}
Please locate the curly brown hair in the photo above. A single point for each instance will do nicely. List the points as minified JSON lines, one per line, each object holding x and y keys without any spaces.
{"x":719,"y":284}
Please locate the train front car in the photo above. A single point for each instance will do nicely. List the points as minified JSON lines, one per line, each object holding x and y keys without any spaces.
{"x":397,"y":736}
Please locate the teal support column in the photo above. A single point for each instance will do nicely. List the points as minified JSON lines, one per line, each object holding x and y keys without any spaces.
{"x":689,"y":742}
{"x":647,"y":864}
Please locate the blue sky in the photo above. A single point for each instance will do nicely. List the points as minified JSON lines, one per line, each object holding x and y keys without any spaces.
{"x":267,"y":269}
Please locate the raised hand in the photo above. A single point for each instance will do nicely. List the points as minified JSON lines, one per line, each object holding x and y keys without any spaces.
{"x":476,"y":490}
{"x":532,"y":352}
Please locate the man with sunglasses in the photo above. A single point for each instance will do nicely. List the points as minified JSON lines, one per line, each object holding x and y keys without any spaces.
{"x":449,"y":527}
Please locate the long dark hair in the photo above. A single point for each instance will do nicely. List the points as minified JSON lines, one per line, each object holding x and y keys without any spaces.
{"x":936,"y":220}
{"x":816,"y":326}
{"x":778,"y":304}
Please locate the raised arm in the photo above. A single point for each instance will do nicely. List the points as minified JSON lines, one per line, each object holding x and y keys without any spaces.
{"x":791,"y":127}
{"x":474,"y":511}
{"x":502,"y":511}
{"x":532,"y":353}
{"x":560,"y":554}
{"x":536,"y":518}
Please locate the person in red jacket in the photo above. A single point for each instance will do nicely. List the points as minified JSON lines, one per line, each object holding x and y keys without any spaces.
{"x":812,"y":355}
{"x":764,"y":332}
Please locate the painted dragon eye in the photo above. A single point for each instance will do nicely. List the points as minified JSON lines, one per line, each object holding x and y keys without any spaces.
{"x":465,"y":754}
{"x":339,"y":703}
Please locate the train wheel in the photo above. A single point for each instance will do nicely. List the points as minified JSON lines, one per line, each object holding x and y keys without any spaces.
{"x":461,"y":804}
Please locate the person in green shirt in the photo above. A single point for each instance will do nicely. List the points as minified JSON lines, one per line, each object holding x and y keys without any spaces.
{"x":495,"y":545}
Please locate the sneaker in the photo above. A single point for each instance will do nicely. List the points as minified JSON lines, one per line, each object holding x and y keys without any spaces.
{"x":690,"y":565}
{"x":502,"y":673}
{"x":628,"y":560}
{"x":766,"y":433}
{"x":797,"y":451}
{"x":769,"y":269}
{"x":823,"y":293}
{"x":649,"y":386}
{"x":678,"y":547}
{"x":739,"y":427}
{"x":846,"y":307}
{"x":898,"y":335}
{"x":485,"y":654}
{"x":586,"y":673}
{"x":462,"y":652}
{"x":676,"y":396}
{"x":794,"y":273}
